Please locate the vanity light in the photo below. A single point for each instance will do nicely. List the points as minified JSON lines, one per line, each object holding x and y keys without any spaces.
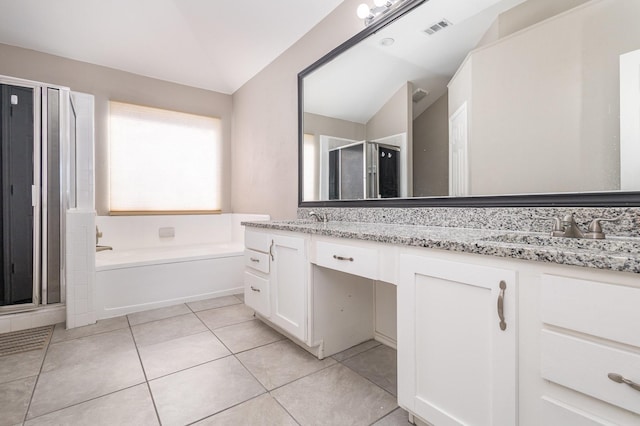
{"x":380,"y":8}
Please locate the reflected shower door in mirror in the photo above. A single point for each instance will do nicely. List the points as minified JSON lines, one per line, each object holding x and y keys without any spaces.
{"x":492,"y":97}
{"x":356,"y":170}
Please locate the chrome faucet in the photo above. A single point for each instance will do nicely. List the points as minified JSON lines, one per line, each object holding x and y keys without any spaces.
{"x":320,"y":217}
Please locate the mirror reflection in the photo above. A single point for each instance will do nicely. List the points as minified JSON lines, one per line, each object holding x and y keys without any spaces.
{"x":479,"y":97}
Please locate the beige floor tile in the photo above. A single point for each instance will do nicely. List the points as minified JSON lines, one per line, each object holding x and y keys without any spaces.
{"x":82,"y":381}
{"x":60,"y":333}
{"x":355,"y":350}
{"x":260,"y":411}
{"x":163,"y":330}
{"x":14,"y":400}
{"x":18,"y":366}
{"x":240,"y":297}
{"x":86,"y":349}
{"x":228,"y":315}
{"x":201,"y":391}
{"x":177,"y":354}
{"x":378,"y":365}
{"x":218,"y":302}
{"x":247,"y":335}
{"x":131,"y":406}
{"x":335,"y":396}
{"x":282,"y":362}
{"x":158,"y":314}
{"x":398,"y":417}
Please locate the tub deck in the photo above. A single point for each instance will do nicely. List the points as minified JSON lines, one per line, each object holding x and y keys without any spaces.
{"x":119,"y":259}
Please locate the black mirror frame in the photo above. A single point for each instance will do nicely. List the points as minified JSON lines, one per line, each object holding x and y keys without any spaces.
{"x":569,"y":199}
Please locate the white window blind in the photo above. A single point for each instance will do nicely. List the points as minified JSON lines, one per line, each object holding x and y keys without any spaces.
{"x":310,"y":181}
{"x":163,"y":160}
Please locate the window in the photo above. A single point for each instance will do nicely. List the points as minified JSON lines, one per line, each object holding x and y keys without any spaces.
{"x":309,"y":180}
{"x":163,"y":161}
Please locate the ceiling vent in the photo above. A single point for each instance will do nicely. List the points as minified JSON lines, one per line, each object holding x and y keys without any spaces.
{"x":419,"y":94}
{"x":438,"y":26}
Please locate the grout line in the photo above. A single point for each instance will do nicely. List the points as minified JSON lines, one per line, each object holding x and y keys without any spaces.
{"x":388,"y":415}
{"x":144,"y":372}
{"x":33,"y":391}
{"x":285,"y":410}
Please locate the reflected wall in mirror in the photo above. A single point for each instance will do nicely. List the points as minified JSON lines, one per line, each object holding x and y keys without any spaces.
{"x":479,"y":98}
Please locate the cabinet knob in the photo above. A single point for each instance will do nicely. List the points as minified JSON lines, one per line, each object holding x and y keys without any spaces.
{"x":618,"y":378}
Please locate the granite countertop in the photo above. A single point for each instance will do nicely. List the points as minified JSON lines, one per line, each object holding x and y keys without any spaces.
{"x":613,"y":253}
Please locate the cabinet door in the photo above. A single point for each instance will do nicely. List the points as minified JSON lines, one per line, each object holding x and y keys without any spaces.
{"x":456,"y":364}
{"x":289,"y":272}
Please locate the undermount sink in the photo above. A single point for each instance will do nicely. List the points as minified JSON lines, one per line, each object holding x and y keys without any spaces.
{"x":612,"y":244}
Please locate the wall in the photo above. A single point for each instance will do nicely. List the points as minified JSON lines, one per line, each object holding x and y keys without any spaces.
{"x":394,"y":117}
{"x":431,"y":150}
{"x":265,"y":125}
{"x":555,"y":129}
{"x":110,"y":84}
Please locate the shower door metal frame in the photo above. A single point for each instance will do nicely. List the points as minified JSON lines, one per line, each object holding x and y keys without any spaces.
{"x":35,"y":192}
{"x":39,"y":188}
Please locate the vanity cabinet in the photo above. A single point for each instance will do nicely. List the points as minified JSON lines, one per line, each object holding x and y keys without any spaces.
{"x":276,"y":279}
{"x":457,"y":341}
{"x":590,"y":343}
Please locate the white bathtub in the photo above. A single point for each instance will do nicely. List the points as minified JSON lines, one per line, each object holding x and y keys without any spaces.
{"x":176,"y":270}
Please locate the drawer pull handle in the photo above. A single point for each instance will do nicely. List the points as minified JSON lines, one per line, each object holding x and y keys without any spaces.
{"x":255,"y":289}
{"x":336,"y":257}
{"x":253,"y":259}
{"x":271,"y":250}
{"x":620,"y":379}
{"x":503,"y":324}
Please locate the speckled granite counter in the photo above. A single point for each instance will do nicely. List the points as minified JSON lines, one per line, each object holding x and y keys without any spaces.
{"x":614,"y":253}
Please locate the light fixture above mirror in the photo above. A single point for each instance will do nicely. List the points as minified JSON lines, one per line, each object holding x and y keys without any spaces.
{"x":380,"y":8}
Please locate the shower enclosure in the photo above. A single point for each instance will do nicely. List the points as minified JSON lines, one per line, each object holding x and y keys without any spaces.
{"x":363,"y":169}
{"x":37,"y":124}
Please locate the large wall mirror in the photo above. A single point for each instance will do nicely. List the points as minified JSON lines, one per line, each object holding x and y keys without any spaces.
{"x":478,"y":102}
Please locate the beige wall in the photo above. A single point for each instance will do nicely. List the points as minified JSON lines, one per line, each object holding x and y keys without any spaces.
{"x":110,"y":84}
{"x":547,"y":118}
{"x":431,"y":150}
{"x":265,"y":125}
{"x":394,"y":117}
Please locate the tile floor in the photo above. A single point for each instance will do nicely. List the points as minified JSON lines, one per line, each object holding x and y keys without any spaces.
{"x":205,"y":363}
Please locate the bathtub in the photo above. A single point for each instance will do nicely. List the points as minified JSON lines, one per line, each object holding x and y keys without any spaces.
{"x":204,"y":258}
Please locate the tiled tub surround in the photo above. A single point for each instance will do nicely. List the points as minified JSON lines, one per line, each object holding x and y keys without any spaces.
{"x":207,"y":362}
{"x":495,"y":232}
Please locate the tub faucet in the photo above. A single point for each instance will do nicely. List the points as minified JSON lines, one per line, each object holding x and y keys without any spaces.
{"x":98,"y":235}
{"x":320,"y":217}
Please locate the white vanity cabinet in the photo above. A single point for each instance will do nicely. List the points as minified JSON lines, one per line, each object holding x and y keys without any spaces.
{"x":276,"y":279}
{"x":568,"y":353}
{"x":589,"y":343}
{"x":457,"y":341}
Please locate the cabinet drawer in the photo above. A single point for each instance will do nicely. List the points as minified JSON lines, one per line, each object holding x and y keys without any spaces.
{"x":347,"y":258}
{"x":258,"y":241}
{"x":256,"y":293}
{"x":256,"y":260}
{"x":558,"y":413}
{"x":591,"y":307}
{"x":584,"y":366}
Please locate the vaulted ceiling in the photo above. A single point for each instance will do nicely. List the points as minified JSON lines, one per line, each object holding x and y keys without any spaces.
{"x":212,"y":44}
